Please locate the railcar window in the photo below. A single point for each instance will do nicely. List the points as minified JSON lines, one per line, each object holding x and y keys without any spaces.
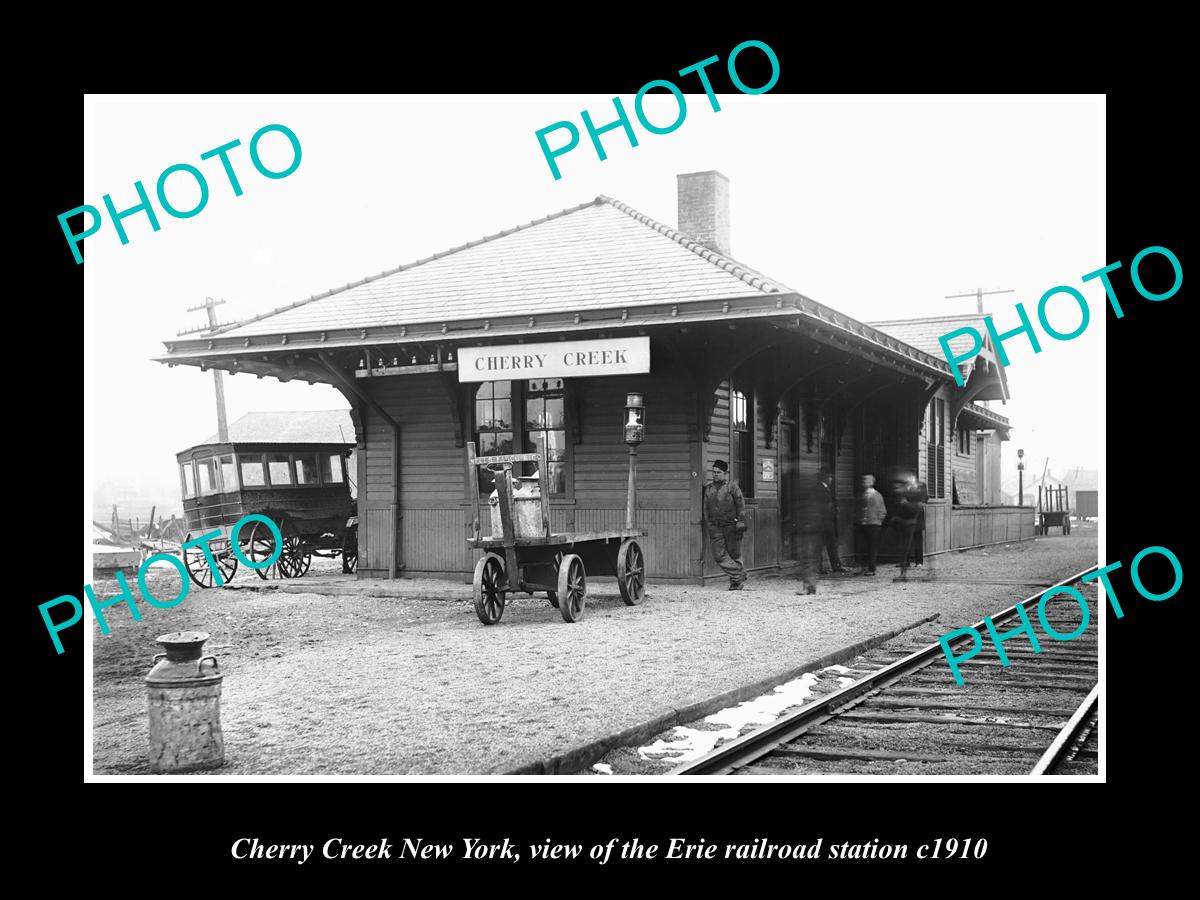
{"x":228,"y":474}
{"x":206,"y":469}
{"x":252,"y":471}
{"x":189,"y":479}
{"x":306,"y":469}
{"x":279,"y":465}
{"x":331,"y":468}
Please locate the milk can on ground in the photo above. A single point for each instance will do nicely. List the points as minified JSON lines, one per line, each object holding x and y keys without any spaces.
{"x":184,"y":699}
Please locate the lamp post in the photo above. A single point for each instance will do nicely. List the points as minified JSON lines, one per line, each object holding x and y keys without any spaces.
{"x":635,"y":432}
{"x":1020,"y":478}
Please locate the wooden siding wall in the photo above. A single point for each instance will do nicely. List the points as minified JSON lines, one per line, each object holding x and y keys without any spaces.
{"x":673,"y":464}
{"x":975,"y":526}
{"x":665,"y":466}
{"x":435,"y":514}
{"x":965,"y":477}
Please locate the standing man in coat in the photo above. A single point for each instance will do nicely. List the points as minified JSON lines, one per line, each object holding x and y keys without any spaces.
{"x":725,"y":522}
{"x":869,"y":520}
{"x":829,"y":512}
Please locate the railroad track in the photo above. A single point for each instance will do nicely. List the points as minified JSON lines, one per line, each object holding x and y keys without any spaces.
{"x":904,"y":713}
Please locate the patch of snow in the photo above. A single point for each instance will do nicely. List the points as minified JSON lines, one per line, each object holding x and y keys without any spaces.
{"x":834,"y":669}
{"x":692,"y":743}
{"x":603,"y":768}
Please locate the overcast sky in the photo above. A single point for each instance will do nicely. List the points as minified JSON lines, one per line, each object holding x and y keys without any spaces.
{"x":877,"y":208}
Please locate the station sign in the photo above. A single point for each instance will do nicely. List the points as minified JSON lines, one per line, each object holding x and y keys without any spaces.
{"x":558,"y":359}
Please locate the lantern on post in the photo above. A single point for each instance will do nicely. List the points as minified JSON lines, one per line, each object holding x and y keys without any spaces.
{"x":1020,"y":478}
{"x":635,"y":433}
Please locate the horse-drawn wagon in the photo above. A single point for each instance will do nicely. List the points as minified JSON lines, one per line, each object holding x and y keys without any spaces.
{"x":302,"y":487}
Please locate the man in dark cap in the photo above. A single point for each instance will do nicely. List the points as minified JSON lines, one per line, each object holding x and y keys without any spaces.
{"x":725,"y":521}
{"x":829,"y":511}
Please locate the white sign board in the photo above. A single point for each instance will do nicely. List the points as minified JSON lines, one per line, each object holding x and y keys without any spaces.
{"x":560,"y":359}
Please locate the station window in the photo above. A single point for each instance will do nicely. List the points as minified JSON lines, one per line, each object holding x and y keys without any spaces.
{"x":279,"y":467}
{"x":540,"y":406}
{"x":741,"y":439}
{"x":189,"y":480}
{"x":331,"y":468}
{"x":545,"y":418}
{"x":493,"y":425}
{"x":252,"y":471}
{"x":206,"y":470}
{"x":306,"y":469}
{"x":228,"y":474}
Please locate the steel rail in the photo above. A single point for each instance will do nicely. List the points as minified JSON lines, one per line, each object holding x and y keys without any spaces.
{"x":1057,"y":751}
{"x":744,"y":750}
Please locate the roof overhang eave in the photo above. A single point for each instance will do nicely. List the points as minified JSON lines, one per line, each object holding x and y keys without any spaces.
{"x":760,"y":306}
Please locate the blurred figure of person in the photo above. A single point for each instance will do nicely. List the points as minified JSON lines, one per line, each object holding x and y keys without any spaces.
{"x":811,"y":501}
{"x":905,"y":520}
{"x":868,"y":521}
{"x":829,"y":517}
{"x":918,"y":493}
{"x":725,"y":522}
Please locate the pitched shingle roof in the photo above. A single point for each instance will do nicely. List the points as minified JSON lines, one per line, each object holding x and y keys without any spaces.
{"x":599,"y":255}
{"x":326,"y":426}
{"x":924,"y":333}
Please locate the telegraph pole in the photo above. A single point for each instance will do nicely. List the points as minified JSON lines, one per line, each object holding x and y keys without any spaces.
{"x":209,"y":304}
{"x":978,"y":294}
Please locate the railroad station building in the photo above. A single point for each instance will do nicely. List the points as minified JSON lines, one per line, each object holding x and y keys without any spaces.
{"x":541,"y":330}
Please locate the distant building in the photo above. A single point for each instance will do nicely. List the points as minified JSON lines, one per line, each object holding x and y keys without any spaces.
{"x":1085,"y":491}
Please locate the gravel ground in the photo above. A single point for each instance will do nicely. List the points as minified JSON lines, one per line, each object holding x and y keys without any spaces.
{"x":334,"y":675}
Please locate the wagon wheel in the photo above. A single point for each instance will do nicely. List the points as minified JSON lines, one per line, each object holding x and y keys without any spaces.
{"x":631,"y":573}
{"x":553,"y":595}
{"x":295,"y":559}
{"x":350,"y":550}
{"x":261,"y":546}
{"x":572,"y":588}
{"x":197,"y":565}
{"x":490,"y":587}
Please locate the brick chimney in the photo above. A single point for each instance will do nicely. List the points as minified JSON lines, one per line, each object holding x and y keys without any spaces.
{"x":703,"y":199}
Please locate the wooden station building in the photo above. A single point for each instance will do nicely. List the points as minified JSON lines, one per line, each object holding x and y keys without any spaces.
{"x":541,"y":330}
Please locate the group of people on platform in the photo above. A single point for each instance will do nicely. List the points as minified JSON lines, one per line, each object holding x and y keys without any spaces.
{"x":816,"y":524}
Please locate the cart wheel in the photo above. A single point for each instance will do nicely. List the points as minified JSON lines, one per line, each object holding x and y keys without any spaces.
{"x":490,"y":585}
{"x":631,"y":573}
{"x":572,"y":588}
{"x":261,"y":546}
{"x":197,"y":565}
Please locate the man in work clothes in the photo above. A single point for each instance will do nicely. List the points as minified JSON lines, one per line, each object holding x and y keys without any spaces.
{"x":724,"y":516}
{"x":829,"y":521}
{"x":869,"y":520}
